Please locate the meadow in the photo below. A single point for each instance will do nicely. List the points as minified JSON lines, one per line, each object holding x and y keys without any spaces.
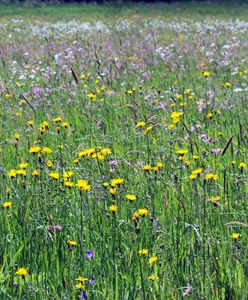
{"x":123,"y":149}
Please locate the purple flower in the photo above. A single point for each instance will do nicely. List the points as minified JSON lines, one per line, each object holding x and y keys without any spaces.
{"x":84,"y":295}
{"x":99,"y":123}
{"x":92,"y":281}
{"x":57,"y":227}
{"x":89,"y":254}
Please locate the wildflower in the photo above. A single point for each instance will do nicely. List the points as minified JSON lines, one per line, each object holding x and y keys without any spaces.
{"x":147,"y":167}
{"x":83,"y":185}
{"x":21,"y":172}
{"x":89,"y":254}
{"x":140,"y":124}
{"x":57,"y":120}
{"x":35,"y":173}
{"x":113,"y":208}
{"x":228,"y":84}
{"x":84,"y":295}
{"x":153,"y":260}
{"x":235,"y":236}
{"x":22,"y":272}
{"x":160,"y":164}
{"x":216,"y":199}
{"x":34,"y":149}
{"x":193,"y":176}
{"x":206,"y":74}
{"x":211,"y":176}
{"x":113,"y":191}
{"x":23,"y":165}
{"x":80,"y":286}
{"x":143,"y":252}
{"x":71,"y":243}
{"x":153,"y":277}
{"x":117,"y":181}
{"x":136,"y":217}
{"x":105,"y":184}
{"x":143,"y":212}
{"x":46,"y":150}
{"x":182,"y":151}
{"x":131,"y":197}
{"x":68,"y":183}
{"x":49,"y":163}
{"x":210,"y":115}
{"x":54,"y":175}
{"x":67,"y":174}
{"x":7,"y":204}
{"x":17,"y":136}
{"x":30,"y":123}
{"x":81,"y":279}
{"x":197,"y":171}
{"x":148,"y":129}
{"x":92,"y":281}
{"x":242,"y":166}
{"x":65,"y":124}
{"x":12,"y":173}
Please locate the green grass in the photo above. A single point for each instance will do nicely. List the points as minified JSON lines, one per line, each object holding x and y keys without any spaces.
{"x":118,"y":101}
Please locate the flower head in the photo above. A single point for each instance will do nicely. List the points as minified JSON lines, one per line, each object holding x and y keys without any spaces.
{"x":22,"y":272}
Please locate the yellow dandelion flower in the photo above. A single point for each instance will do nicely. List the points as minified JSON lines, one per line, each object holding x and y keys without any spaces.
{"x":54,"y":175}
{"x":206,"y":74}
{"x":57,"y":120}
{"x":143,"y":212}
{"x":11,"y":173}
{"x":131,"y":197}
{"x":182,"y":151}
{"x":7,"y":204}
{"x":140,"y":124}
{"x":153,"y":277}
{"x":143,"y":252}
{"x":113,"y":208}
{"x":80,"y":286}
{"x":71,"y":243}
{"x":35,"y":173}
{"x":242,"y":166}
{"x":23,"y":165}
{"x":235,"y":236}
{"x":34,"y":149}
{"x":147,"y":167}
{"x":153,"y":260}
{"x":22,"y":272}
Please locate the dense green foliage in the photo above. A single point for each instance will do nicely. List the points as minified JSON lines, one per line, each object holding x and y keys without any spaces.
{"x":123,"y":152}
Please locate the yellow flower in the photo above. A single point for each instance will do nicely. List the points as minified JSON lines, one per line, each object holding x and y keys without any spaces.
{"x":17,"y":136}
{"x":235,"y":236}
{"x":49,"y":163}
{"x":57,"y":120}
{"x":23,"y":165}
{"x":242,"y":166}
{"x":143,"y":252}
{"x":176,"y":114}
{"x":143,"y":212}
{"x":7,"y":204}
{"x":147,"y":167}
{"x":182,"y":151}
{"x":153,"y":260}
{"x":34,"y":149}
{"x":83,"y":185}
{"x":12,"y":173}
{"x":140,"y":124}
{"x":148,"y":129}
{"x":197,"y":171}
{"x":30,"y":122}
{"x":21,"y":172}
{"x":206,"y":74}
{"x":113,"y":208}
{"x":82,"y":279}
{"x":80,"y":286}
{"x":46,"y":150}
{"x":54,"y":175}
{"x":35,"y":173}
{"x":210,"y":115}
{"x":113,"y":191}
{"x":228,"y":84}
{"x":117,"y":181}
{"x":217,"y":198}
{"x":68,"y":183}
{"x":71,"y":243}
{"x":65,"y":124}
{"x":153,"y":277}
{"x":160,"y":164}
{"x":67,"y":174}
{"x":193,"y":176}
{"x":211,"y":176}
{"x":131,"y":197}
{"x":22,"y":272}
{"x":136,"y":217}
{"x":105,"y":184}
